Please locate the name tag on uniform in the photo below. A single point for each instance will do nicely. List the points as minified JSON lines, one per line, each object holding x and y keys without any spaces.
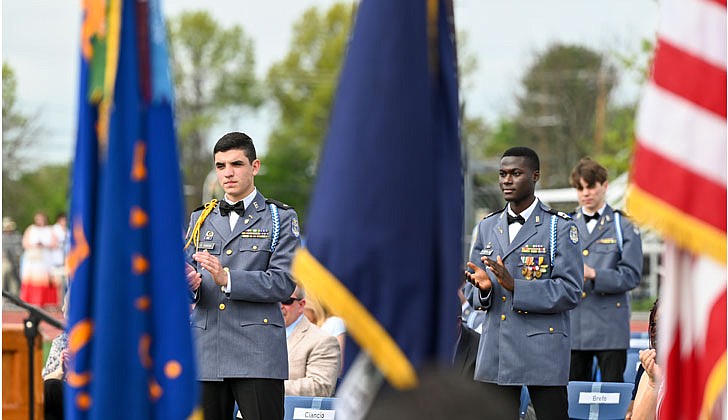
{"x":607,"y":241}
{"x":599,"y":398}
{"x":255,"y":233}
{"x":488,"y":250}
{"x":312,"y":413}
{"x":206,"y":245}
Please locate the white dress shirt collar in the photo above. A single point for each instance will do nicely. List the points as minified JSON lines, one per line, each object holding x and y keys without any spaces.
{"x":514,"y":228}
{"x":246,"y":202}
{"x":290,"y":328}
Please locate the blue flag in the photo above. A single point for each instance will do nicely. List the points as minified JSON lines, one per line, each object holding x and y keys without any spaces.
{"x":384,"y":233}
{"x":129,"y":337}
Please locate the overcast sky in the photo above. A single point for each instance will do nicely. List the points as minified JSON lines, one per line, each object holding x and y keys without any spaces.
{"x":40,"y":42}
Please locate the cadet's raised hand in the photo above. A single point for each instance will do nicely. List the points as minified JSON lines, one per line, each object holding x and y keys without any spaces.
{"x":194,"y":279}
{"x":478,"y":278}
{"x":499,"y":270}
{"x":211,"y":264}
{"x":648,"y":358}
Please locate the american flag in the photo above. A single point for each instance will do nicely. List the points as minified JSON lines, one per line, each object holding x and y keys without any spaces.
{"x":678,"y":187}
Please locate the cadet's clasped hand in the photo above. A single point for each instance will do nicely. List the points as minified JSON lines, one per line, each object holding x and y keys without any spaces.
{"x":194,"y":279}
{"x":479,"y":278}
{"x":212,"y":264}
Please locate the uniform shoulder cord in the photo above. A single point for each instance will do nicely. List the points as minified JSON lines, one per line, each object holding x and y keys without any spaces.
{"x":195,"y":236}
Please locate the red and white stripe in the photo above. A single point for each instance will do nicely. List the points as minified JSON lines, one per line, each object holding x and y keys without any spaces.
{"x":680,"y":165}
{"x":692,"y":336}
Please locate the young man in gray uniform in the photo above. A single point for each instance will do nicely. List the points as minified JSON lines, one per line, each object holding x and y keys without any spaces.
{"x":612,"y":251}
{"x":527,"y":271}
{"x":239,"y":252}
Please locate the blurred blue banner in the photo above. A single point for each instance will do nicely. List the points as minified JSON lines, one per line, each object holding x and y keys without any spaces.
{"x":384,"y":233}
{"x":129,"y":336}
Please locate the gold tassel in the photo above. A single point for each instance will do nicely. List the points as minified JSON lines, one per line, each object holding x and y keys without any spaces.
{"x":195,"y":236}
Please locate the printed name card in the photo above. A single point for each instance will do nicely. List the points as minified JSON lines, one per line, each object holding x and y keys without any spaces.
{"x":599,"y":398}
{"x":312,"y":413}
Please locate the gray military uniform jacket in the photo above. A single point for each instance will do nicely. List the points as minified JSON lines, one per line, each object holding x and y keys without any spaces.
{"x":242,"y":335}
{"x":601,"y":321}
{"x":525,"y":338}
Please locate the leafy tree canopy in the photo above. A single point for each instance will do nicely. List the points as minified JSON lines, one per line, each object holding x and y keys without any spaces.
{"x":302,"y":87}
{"x":214,"y":74}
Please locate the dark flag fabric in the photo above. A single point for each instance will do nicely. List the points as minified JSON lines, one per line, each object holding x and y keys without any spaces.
{"x":129,"y":337}
{"x":384,"y":232}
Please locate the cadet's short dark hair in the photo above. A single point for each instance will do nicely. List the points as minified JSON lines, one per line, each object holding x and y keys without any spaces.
{"x":590,"y":171}
{"x":528,"y":153}
{"x":236,"y":140}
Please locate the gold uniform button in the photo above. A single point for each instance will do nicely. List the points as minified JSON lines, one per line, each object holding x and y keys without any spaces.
{"x":229,"y":251}
{"x":226,"y":269}
{"x":525,"y":312}
{"x":503,"y":298}
{"x":583,"y":295}
{"x":520,"y":312}
{"x":585,"y":252}
{"x":503,"y":317}
{"x":255,"y":247}
{"x":222,"y":306}
{"x":551,"y":329}
{"x":265,"y":320}
{"x":619,"y":304}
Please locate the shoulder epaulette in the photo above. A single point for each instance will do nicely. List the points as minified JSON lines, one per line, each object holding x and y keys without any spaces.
{"x":202,"y":206}
{"x":561,"y":214}
{"x":495,"y":212}
{"x":278,"y":204}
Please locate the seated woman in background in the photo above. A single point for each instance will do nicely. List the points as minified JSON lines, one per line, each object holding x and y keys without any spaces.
{"x":649,"y":389}
{"x":319,"y":315}
{"x":54,"y":373}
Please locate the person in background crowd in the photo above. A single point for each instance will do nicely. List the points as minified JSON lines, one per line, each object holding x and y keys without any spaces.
{"x":60,"y":231}
{"x":54,"y":373}
{"x":12,"y":249}
{"x":470,"y":327}
{"x":612,"y":250}
{"x":649,"y":390}
{"x":637,"y":379}
{"x":527,"y":271}
{"x":313,"y":354}
{"x":37,"y":283}
{"x":320,"y":316}
{"x":238,"y":255}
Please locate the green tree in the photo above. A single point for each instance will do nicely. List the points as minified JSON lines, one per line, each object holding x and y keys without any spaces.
{"x":43,"y":189}
{"x":562,"y":109}
{"x":19,"y":130}
{"x":302,"y":88}
{"x":618,"y":140}
{"x":214,"y":74}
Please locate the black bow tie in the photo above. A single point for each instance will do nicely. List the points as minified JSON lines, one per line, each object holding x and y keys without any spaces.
{"x":226,"y":208}
{"x":516,"y":219}
{"x":588,"y":218}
